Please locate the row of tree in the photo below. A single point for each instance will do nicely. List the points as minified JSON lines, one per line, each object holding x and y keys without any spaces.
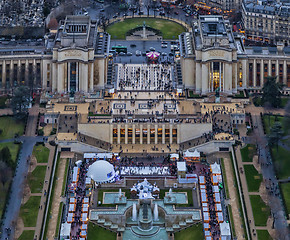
{"x":6,"y":165}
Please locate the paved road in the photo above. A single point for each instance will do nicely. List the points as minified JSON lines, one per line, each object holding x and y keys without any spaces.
{"x":14,"y":203}
{"x":94,"y":11}
{"x":142,"y":46}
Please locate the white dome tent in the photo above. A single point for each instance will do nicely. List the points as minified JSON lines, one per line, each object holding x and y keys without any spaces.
{"x":101,"y":171}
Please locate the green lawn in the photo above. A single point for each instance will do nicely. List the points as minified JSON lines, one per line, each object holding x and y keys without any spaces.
{"x":49,"y":215}
{"x":194,"y":232}
{"x":284,"y":101}
{"x":281,"y":161}
{"x":232,"y":220}
{"x":26,"y":235}
{"x":254,"y":179}
{"x":3,"y":195}
{"x":59,"y":218}
{"x":258,"y":101}
{"x":14,"y":148}
{"x":29,"y":211}
{"x":240,"y":196}
{"x":263,"y":235}
{"x":225,"y":178}
{"x":65,"y":177}
{"x":285,"y":189}
{"x":191,"y":94}
{"x":10,"y":127}
{"x":95,"y":233}
{"x":248,"y":152}
{"x":260,"y":210}
{"x":169,"y":29}
{"x":281,"y":157}
{"x":240,"y":94}
{"x":41,"y":153}
{"x":269,"y":120}
{"x":36,"y":178}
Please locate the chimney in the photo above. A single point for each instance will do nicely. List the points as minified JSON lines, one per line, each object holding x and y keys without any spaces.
{"x":280,"y":46}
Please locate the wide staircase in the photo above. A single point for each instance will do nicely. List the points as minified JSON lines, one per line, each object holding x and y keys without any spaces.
{"x":94,"y":142}
{"x":196,"y":141}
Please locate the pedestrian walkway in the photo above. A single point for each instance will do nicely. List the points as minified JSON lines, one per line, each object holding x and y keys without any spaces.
{"x":6,"y":111}
{"x":56,"y":200}
{"x":234,"y":200}
{"x":32,"y":120}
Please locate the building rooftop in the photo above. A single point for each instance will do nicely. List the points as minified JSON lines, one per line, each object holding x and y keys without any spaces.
{"x":76,"y":31}
{"x":212,"y":31}
{"x":269,"y":7}
{"x":102,"y":43}
{"x":21,"y":47}
{"x":258,"y":50}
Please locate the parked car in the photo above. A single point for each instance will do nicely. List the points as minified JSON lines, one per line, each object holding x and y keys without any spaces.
{"x":138,"y":53}
{"x":129,"y":54}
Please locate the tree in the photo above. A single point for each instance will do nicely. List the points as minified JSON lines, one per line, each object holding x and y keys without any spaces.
{"x":268,"y":108}
{"x":53,"y":24}
{"x":5,"y":173}
{"x":20,"y":102}
{"x":275,"y":135}
{"x":6,"y":157}
{"x":272,"y":92}
{"x":286,"y":120}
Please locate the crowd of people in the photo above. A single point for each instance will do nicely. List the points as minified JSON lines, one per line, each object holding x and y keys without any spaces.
{"x":146,"y":166}
{"x":79,"y":193}
{"x":144,"y":77}
{"x":213,"y":221}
